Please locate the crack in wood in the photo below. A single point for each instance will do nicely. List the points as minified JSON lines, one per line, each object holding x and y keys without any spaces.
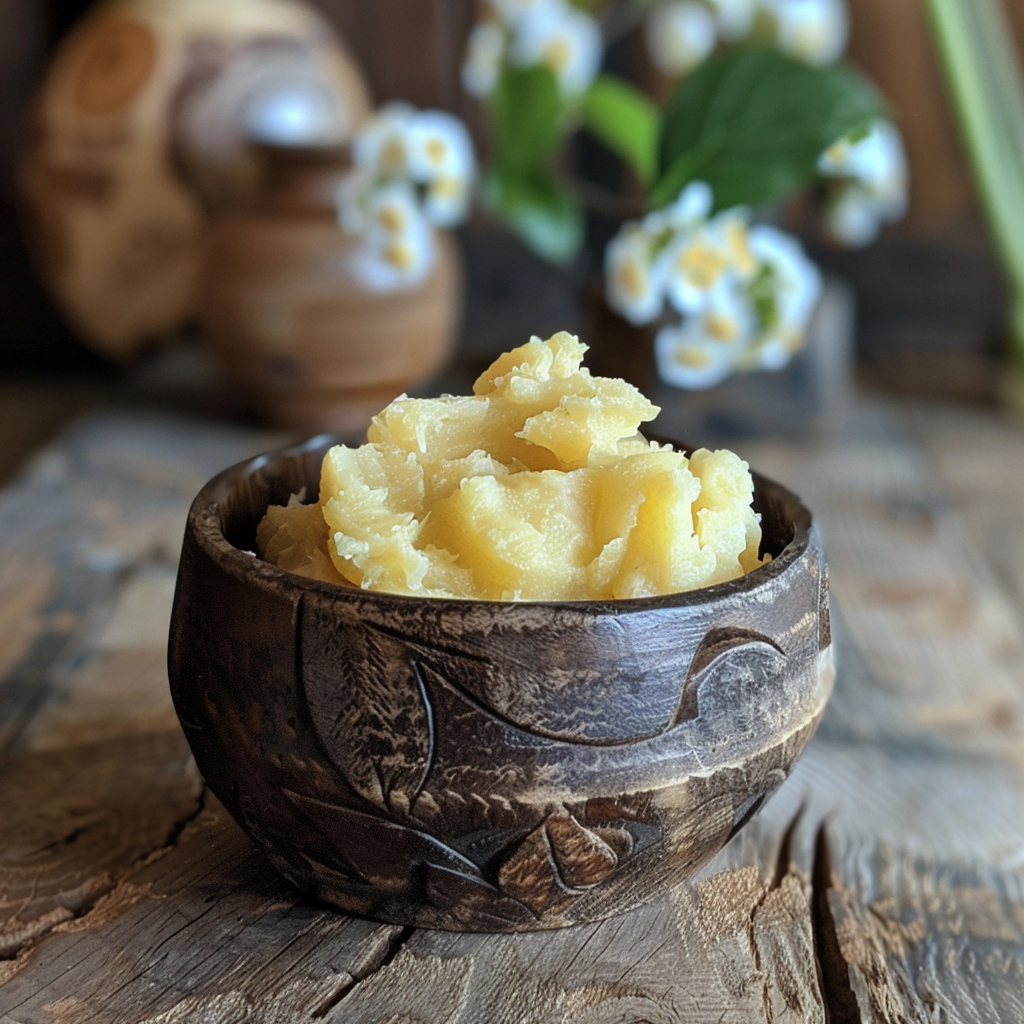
{"x":755,"y":949}
{"x":177,"y":830}
{"x":835,"y":992}
{"x":377,"y":963}
{"x":12,"y":943}
{"x":833,"y":970}
{"x":783,"y":862}
{"x":785,"y":855}
{"x":22,"y":943}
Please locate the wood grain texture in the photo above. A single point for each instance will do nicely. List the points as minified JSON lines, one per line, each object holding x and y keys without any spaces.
{"x":287,"y":317}
{"x":138,"y":122}
{"x":92,"y":519}
{"x":883,"y":882}
{"x":208,"y":928}
{"x":76,"y":820}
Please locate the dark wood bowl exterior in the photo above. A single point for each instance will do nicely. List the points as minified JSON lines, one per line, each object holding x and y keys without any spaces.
{"x":487,"y":766}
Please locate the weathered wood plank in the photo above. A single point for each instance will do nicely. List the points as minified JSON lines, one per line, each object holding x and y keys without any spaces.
{"x":921,"y":861}
{"x":117,"y":685}
{"x":978,"y":460}
{"x":90,"y":533}
{"x":206,"y":931}
{"x":732,"y":949}
{"x":203,"y":926}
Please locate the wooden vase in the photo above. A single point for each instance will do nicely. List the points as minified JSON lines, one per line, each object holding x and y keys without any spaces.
{"x":286,"y":317}
{"x":485,"y":765}
{"x":139,"y":128}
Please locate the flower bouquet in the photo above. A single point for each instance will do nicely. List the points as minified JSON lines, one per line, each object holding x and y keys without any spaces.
{"x":760,"y":110}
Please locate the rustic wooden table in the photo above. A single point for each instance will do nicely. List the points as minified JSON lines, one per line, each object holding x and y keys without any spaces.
{"x":885,"y":881}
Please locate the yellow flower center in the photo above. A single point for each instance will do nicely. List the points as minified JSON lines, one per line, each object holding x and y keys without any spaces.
{"x":738,"y":241}
{"x":632,"y":278}
{"x":702,"y":265}
{"x":437,"y":150}
{"x":721,"y":327}
{"x":399,"y":256}
{"x":391,"y":218}
{"x":810,"y":39}
{"x":446,"y":188}
{"x":838,"y":151}
{"x":557,"y":54}
{"x":694,"y":358}
{"x":392,"y":155}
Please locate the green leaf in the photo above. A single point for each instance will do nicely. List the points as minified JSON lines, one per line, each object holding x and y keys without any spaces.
{"x":626,"y":121}
{"x":535,"y":206}
{"x":527,"y":114}
{"x":752,"y":124}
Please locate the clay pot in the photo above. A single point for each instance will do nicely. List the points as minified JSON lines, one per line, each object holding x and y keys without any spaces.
{"x":484,"y":765}
{"x":286,"y":318}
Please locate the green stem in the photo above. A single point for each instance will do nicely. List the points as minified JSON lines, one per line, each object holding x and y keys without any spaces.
{"x":985,"y":91}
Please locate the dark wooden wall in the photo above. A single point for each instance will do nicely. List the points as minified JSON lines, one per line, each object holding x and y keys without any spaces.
{"x":31,"y":332}
{"x":410,"y":49}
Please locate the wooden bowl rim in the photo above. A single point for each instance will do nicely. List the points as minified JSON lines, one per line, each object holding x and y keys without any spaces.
{"x":204,"y":524}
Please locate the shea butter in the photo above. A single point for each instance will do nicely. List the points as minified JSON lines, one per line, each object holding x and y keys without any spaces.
{"x":537,"y":487}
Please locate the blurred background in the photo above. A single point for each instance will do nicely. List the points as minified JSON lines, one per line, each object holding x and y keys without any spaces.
{"x":930,"y":298}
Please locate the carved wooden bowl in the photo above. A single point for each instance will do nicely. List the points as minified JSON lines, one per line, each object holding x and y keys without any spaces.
{"x":488,"y":766}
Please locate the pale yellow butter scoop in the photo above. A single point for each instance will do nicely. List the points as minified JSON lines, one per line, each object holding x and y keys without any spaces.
{"x":538,"y":487}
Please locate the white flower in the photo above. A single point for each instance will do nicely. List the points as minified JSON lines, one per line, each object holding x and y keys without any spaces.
{"x":438,"y":147}
{"x":877,"y":160}
{"x":680,"y":35}
{"x":695,"y":263}
{"x":874,"y":173}
{"x":398,"y":244}
{"x":565,"y":39}
{"x":392,"y":211}
{"x":686,"y":357}
{"x":731,"y":230}
{"x":702,"y":252}
{"x":735,"y":17}
{"x":403,"y":146}
{"x":727,"y":317}
{"x":402,"y":265}
{"x":483,"y":59}
{"x":816,"y":31}
{"x":852,"y":217}
{"x":382,"y":145}
{"x":786,"y":288}
{"x":633,"y":279}
{"x":771,"y":353}
{"x":447,"y":200}
{"x":413,"y":170}
{"x":746,"y":294}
